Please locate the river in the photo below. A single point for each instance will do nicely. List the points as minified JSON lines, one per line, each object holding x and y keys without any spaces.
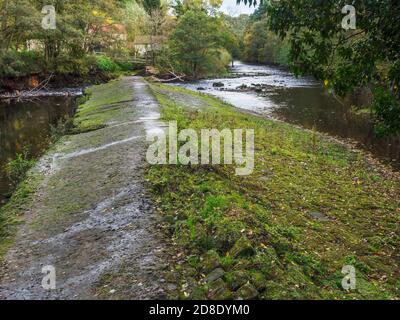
{"x":25,"y":125}
{"x":299,"y":100}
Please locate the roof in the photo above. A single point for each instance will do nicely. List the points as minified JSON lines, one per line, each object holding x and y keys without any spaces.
{"x":141,"y":40}
{"x":119,"y":28}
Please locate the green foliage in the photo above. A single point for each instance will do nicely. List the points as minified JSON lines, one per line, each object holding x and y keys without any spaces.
{"x":294,"y":256}
{"x":26,"y":47}
{"x":346,"y":60}
{"x":151,"y":5}
{"x":17,"y":64}
{"x":195,"y":43}
{"x":260,"y":44}
{"x":387,"y":112}
{"x":105,"y":64}
{"x":16,"y":169}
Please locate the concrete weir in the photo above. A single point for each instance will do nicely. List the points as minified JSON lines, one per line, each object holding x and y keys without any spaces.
{"x":91,"y":217}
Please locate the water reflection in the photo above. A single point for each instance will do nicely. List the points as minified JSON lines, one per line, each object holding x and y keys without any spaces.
{"x":26,"y":125}
{"x":302,"y":101}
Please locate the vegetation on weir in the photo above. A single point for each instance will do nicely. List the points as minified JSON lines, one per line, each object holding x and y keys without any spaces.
{"x":311,"y":207}
{"x":100,"y":105}
{"x":93,"y":113}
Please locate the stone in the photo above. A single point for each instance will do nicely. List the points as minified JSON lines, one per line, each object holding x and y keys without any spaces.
{"x":236,"y":279}
{"x":210,"y":261}
{"x":258,"y":280}
{"x":218,"y":84}
{"x":218,"y":290}
{"x":201,"y":88}
{"x":214,"y":275}
{"x":247,"y":292}
{"x":319,"y":216}
{"x":242,"y":248}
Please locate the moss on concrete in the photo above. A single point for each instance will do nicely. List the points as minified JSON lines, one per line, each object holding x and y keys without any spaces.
{"x":297,"y":175}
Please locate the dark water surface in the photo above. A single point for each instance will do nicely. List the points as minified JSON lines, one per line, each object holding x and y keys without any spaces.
{"x":302,"y":101}
{"x":25,"y":125}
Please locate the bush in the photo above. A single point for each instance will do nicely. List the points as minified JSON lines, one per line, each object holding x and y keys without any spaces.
{"x":19,"y":64}
{"x":61,"y":128}
{"x":105,"y":64}
{"x":16,"y":169}
{"x":81,"y":66}
{"x":387,"y":112}
{"x":124,"y":65}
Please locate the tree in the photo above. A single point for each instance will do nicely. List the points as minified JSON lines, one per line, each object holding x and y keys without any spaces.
{"x":151,"y":5}
{"x":81,"y":26}
{"x":195,"y":41}
{"x":208,"y":6}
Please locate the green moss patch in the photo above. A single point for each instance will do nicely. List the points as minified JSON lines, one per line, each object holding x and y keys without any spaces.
{"x":310,"y":207}
{"x":106,"y":103}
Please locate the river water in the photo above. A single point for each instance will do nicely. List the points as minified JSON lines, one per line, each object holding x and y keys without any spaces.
{"x":301,"y":101}
{"x":25,"y":125}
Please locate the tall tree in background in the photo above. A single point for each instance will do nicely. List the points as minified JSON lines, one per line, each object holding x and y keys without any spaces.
{"x":197,"y":41}
{"x":151,"y":5}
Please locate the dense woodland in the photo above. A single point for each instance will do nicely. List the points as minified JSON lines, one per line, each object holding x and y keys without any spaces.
{"x":196,"y":40}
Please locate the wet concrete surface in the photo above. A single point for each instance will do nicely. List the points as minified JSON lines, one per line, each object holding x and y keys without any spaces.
{"x":92,"y":218}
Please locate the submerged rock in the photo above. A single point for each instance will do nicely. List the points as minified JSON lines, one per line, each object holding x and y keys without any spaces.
{"x":218,"y":84}
{"x":242,"y":87}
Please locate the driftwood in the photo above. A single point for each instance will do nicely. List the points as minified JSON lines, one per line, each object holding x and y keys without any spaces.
{"x":175,"y":78}
{"x":29,"y":93}
{"x":40,"y":86}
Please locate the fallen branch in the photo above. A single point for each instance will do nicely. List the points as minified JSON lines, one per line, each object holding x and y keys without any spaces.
{"x":176,"y":77}
{"x":46,"y":82}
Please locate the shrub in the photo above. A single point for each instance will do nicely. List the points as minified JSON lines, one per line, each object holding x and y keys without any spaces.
{"x":16,"y":169}
{"x":105,"y":64}
{"x":387,"y":112}
{"x":81,"y":66}
{"x":61,"y":128}
{"x":19,"y":64}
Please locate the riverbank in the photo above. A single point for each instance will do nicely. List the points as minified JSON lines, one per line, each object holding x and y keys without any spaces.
{"x":85,"y":209}
{"x":311,"y":207}
{"x":275,"y":92}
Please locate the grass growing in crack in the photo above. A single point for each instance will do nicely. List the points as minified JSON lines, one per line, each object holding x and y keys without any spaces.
{"x":297,"y":172}
{"x":17,"y":169}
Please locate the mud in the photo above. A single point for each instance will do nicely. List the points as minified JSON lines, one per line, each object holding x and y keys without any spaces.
{"x":92,"y":218}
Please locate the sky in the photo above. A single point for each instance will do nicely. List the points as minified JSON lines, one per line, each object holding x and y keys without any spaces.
{"x":230,"y":7}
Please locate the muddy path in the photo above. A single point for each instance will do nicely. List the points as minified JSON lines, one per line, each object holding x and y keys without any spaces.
{"x":92,"y":218}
